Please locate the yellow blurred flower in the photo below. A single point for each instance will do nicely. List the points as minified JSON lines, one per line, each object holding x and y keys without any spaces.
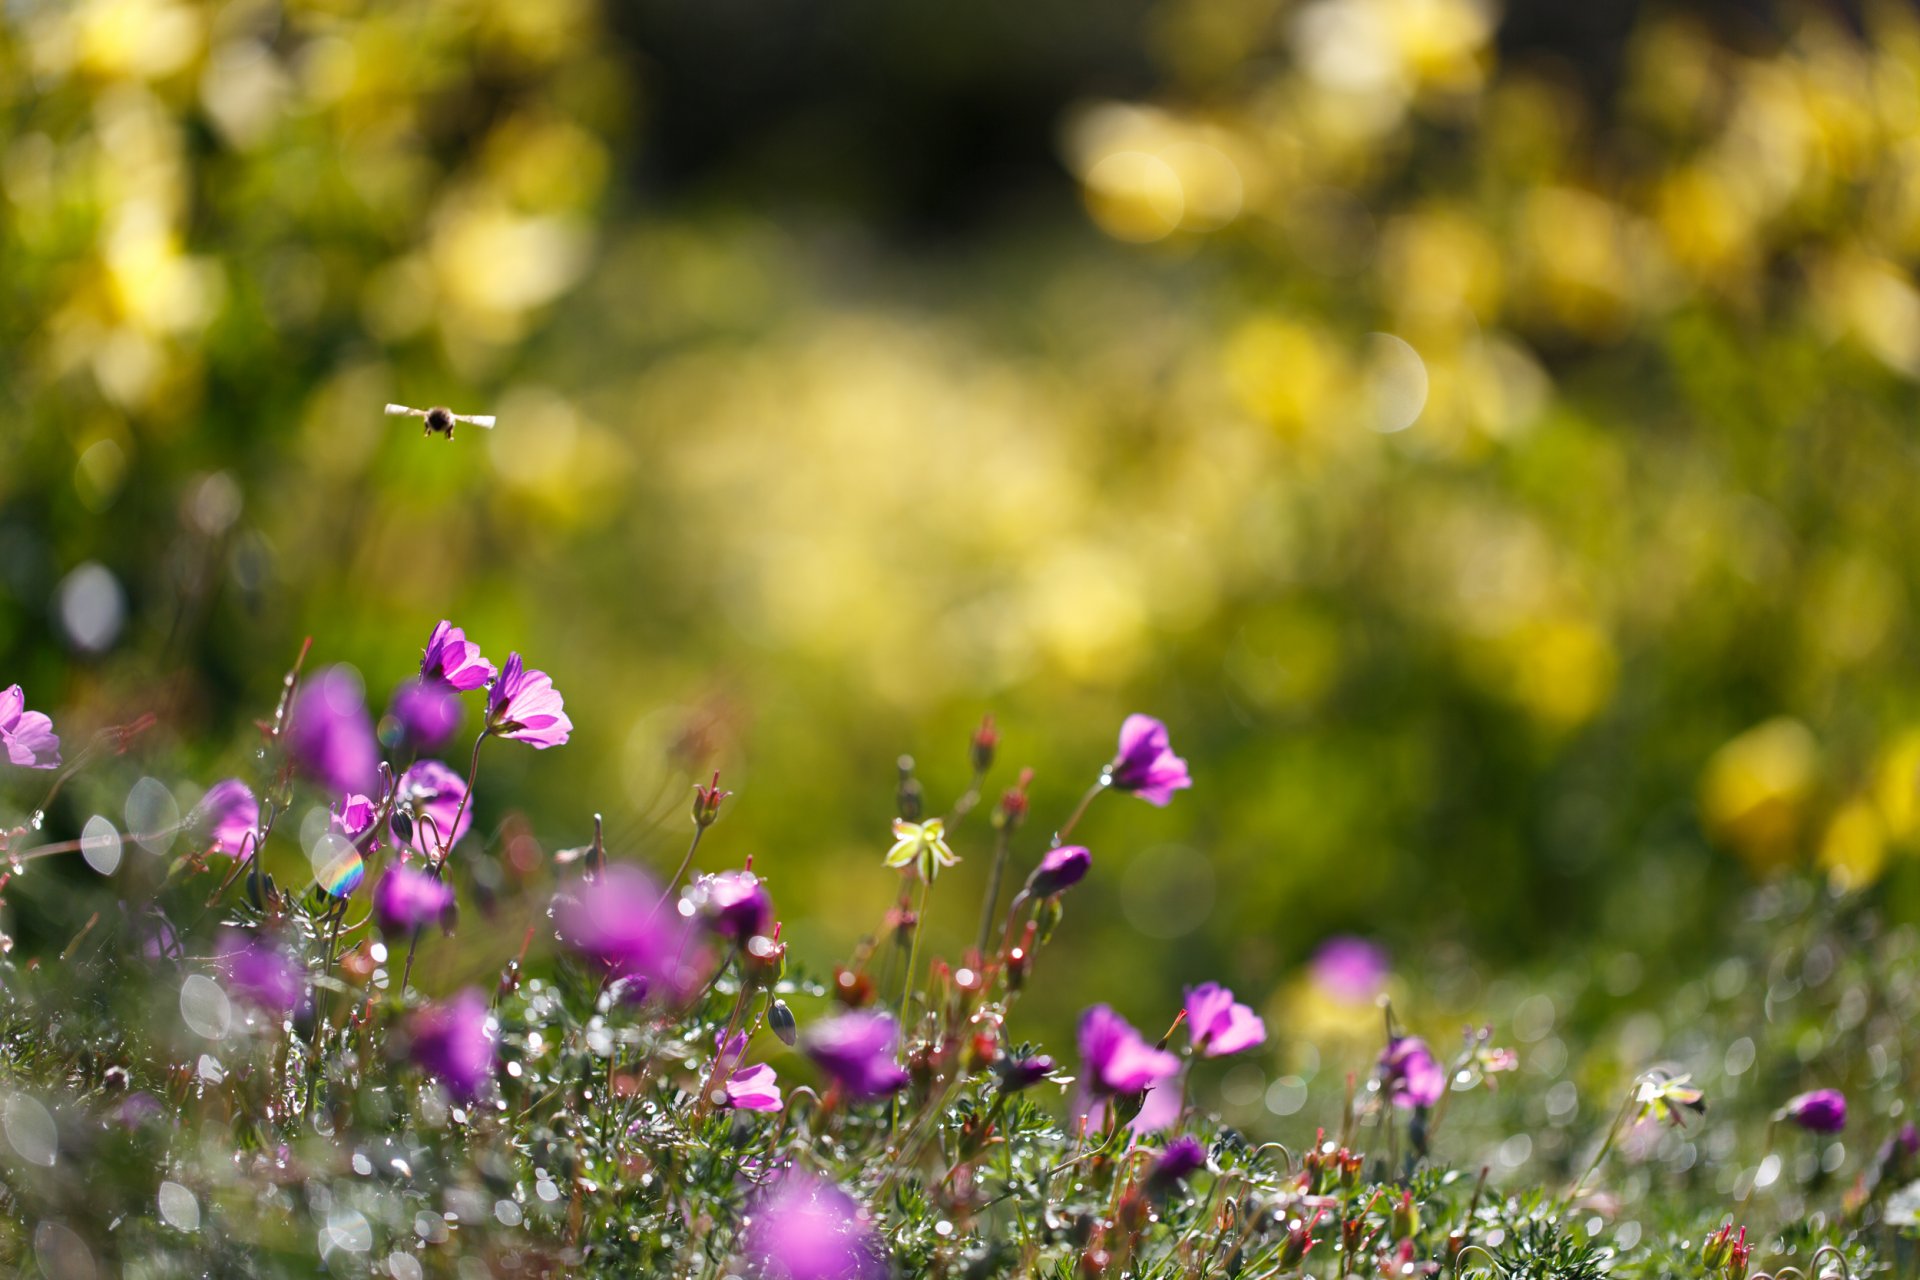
{"x":1854,"y":850}
{"x":1755,"y":789}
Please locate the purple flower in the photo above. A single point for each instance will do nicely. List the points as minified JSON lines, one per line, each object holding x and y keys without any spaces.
{"x":805,"y":1228}
{"x":425,"y":804}
{"x":1060,"y":869}
{"x":407,"y":899}
{"x":1146,"y":765}
{"x":454,"y":1043}
{"x":331,"y":734}
{"x":616,"y":920}
{"x":858,"y":1050}
{"x":1160,"y":1108}
{"x":1023,"y":1073}
{"x":1350,"y":969}
{"x":753,"y":1089}
{"x":352,"y":816}
{"x":230,"y":817}
{"x":1183,"y":1158}
{"x":28,"y":736}
{"x":1218,"y":1024}
{"x":1116,"y":1058}
{"x":422,"y":715}
{"x":1410,"y":1074}
{"x":452,"y":659}
{"x":734,"y":904}
{"x":526,"y":707}
{"x":260,"y":973}
{"x":1821,"y":1111}
{"x":137,"y":1108}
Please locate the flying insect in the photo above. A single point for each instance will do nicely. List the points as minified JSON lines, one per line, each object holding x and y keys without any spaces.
{"x":440,"y":418}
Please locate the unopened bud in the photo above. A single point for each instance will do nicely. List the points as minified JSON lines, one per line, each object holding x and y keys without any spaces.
{"x":909,"y":796}
{"x":780,"y":1021}
{"x":1405,"y":1219}
{"x":1012,"y":809}
{"x":763,"y":960}
{"x":986,"y":739}
{"x":706,"y":802}
{"x":852,"y":988}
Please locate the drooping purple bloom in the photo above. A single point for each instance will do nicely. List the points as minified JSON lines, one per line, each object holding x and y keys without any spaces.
{"x":1160,"y":1108}
{"x":1117,"y":1059}
{"x":617,"y":921}
{"x":1146,"y":765}
{"x":1350,"y":969}
{"x":1182,"y":1158}
{"x":526,"y":707}
{"x":331,"y":734}
{"x":423,"y":715}
{"x":1060,"y":869}
{"x":859,"y":1051}
{"x":26,"y":736}
{"x":1410,"y":1073}
{"x":425,"y":805}
{"x":753,"y":1089}
{"x":260,"y":973}
{"x":735,"y":904}
{"x":454,"y":1043}
{"x":1821,"y":1111}
{"x":806,"y":1228}
{"x":230,"y":818}
{"x":352,"y":816}
{"x":1023,"y":1073}
{"x":452,"y":659}
{"x":408,"y":898}
{"x":1218,"y":1024}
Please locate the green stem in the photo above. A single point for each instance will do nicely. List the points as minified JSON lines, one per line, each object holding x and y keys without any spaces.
{"x":1003,"y":848}
{"x":1079,"y":811}
{"x":913,"y":957}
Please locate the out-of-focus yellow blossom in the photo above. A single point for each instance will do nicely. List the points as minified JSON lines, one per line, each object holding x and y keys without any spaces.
{"x":1896,"y":785}
{"x":1853,"y":852}
{"x":1873,"y":302}
{"x":1146,"y":174}
{"x":1755,"y":789}
{"x":118,"y":39}
{"x":1287,"y":373}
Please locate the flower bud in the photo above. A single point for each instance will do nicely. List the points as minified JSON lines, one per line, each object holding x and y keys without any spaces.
{"x":780,"y":1021}
{"x":909,"y":796}
{"x":985,"y":740}
{"x":763,"y":961}
{"x":1405,"y":1218}
{"x":1060,"y":869}
{"x":852,"y":988}
{"x":706,"y":802}
{"x":1012,"y":809}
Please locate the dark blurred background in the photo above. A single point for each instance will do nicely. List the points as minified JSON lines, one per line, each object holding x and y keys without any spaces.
{"x":1486,"y":437}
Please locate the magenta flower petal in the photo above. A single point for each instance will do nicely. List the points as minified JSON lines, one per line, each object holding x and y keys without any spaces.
{"x":859,"y":1051}
{"x":260,"y":973}
{"x":331,"y":734}
{"x":26,"y":736}
{"x":427,"y":813}
{"x":1146,"y":765}
{"x":454,"y":1043}
{"x":454,"y":660}
{"x":1821,"y":1111}
{"x":805,"y":1228}
{"x":422,"y":716}
{"x":616,"y":920}
{"x":753,"y":1089}
{"x":527,"y":708}
{"x":407,"y":899}
{"x":734,"y":904}
{"x":229,"y":816}
{"x":1350,"y":969}
{"x":1060,"y":869}
{"x":1117,"y":1059}
{"x":1218,"y":1024}
{"x":1410,"y":1073}
{"x":1160,"y":1108}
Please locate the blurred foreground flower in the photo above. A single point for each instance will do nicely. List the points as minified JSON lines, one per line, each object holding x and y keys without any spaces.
{"x":229,"y":816}
{"x":261,"y":973}
{"x":27,"y":735}
{"x":423,"y":715}
{"x":331,"y":735}
{"x":1820,"y":1111}
{"x":859,"y":1052}
{"x":617,"y":921}
{"x":1410,"y":1074}
{"x":408,"y":898}
{"x":1350,"y":969}
{"x":429,"y":813}
{"x":805,"y":1228}
{"x":454,"y":1043}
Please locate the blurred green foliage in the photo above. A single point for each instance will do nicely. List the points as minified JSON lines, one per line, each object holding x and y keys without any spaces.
{"x":1501,"y":484}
